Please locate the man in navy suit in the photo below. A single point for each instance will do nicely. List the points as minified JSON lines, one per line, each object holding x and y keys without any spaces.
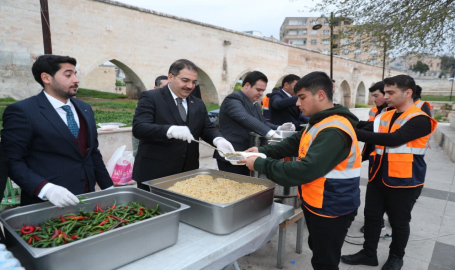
{"x":282,"y":104}
{"x":51,"y":140}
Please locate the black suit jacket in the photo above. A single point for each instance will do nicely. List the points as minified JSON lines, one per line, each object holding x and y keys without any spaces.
{"x":158,"y":156}
{"x":238,"y":117}
{"x":40,"y":146}
{"x":283,"y":109}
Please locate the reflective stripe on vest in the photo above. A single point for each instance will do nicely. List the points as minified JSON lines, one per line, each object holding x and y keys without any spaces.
{"x":341,"y":195}
{"x":402,"y":166}
{"x":372,"y":113}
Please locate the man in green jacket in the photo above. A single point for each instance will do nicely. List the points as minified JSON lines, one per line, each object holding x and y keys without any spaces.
{"x":327,"y":173}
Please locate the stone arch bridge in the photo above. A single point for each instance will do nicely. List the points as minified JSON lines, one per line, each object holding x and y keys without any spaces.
{"x":144,"y":43}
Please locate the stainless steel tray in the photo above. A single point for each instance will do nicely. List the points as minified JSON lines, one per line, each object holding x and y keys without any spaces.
{"x":103,"y":251}
{"x":213,"y":217}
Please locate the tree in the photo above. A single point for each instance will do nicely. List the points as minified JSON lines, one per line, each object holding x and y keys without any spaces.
{"x":447,"y":62}
{"x":420,"y":67}
{"x":406,"y":25}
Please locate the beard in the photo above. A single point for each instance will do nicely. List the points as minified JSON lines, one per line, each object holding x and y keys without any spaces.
{"x":63,"y":92}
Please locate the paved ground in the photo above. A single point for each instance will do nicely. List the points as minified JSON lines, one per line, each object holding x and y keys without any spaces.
{"x":432,"y":241}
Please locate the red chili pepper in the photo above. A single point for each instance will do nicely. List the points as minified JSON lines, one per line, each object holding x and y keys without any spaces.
{"x":98,"y":209}
{"x":64,"y":234}
{"x":74,"y":237}
{"x":66,"y":241}
{"x":62,"y":219}
{"x":78,"y":218}
{"x":101,"y":231}
{"x":30,"y":240}
{"x":37,"y":238}
{"x":104,"y":221}
{"x":140,"y":213}
{"x":56,"y":233}
{"x":119,"y":219}
{"x":27,"y":229}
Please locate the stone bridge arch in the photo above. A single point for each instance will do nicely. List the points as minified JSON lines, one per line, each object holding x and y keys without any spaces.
{"x":134,"y":84}
{"x":345,"y":94}
{"x":209,"y":92}
{"x":241,"y":77}
{"x":361,"y":94}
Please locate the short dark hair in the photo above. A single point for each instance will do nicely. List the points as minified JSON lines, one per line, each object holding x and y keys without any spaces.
{"x":403,"y":82}
{"x":289,"y":79}
{"x":377,"y":86}
{"x":159,"y":79}
{"x":314,"y":82}
{"x":50,"y":64}
{"x":181,"y":64}
{"x":418,"y":92}
{"x":253,"y":77}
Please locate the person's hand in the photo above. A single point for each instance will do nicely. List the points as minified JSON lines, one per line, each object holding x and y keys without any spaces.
{"x":249,"y":162}
{"x":224,"y":146}
{"x":287,"y":126}
{"x":60,"y":196}
{"x":181,"y":133}
{"x":252,"y":150}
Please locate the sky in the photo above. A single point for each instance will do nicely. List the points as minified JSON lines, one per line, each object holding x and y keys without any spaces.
{"x":265,"y":16}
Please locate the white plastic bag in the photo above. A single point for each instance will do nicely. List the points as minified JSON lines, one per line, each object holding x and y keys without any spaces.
{"x":120,"y":167}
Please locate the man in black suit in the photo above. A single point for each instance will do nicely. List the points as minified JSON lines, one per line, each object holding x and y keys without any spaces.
{"x":165,"y":122}
{"x":51,"y":140}
{"x":160,"y":81}
{"x":240,"y":114}
{"x":282,"y":104}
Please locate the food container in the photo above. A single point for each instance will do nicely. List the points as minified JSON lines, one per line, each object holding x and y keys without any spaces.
{"x":242,"y":155}
{"x":108,"y":250}
{"x":213,"y":217}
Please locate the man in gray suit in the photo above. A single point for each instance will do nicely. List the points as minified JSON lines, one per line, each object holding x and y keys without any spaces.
{"x":240,"y":114}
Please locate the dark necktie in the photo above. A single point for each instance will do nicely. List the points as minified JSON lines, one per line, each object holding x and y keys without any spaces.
{"x":182,"y":110}
{"x":72,"y":125}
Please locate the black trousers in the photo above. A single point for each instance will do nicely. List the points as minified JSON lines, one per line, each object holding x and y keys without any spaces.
{"x":398,"y":203}
{"x":326,"y":238}
{"x":228,"y":167}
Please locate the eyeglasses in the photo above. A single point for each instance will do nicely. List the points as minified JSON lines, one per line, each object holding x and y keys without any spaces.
{"x":186,"y":80}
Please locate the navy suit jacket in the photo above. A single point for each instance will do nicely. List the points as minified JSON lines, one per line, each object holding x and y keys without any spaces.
{"x":283,"y":109}
{"x":40,"y":147}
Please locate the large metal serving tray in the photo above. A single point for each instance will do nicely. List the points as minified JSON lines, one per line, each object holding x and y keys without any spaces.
{"x":108,"y":250}
{"x":213,"y":217}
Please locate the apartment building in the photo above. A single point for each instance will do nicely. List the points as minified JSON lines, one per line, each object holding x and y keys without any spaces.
{"x":299,"y":31}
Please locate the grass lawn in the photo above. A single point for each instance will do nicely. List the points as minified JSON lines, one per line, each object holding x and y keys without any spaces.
{"x":81,"y":92}
{"x":438,"y":98}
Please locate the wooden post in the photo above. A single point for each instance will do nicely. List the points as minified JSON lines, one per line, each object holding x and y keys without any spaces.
{"x":46,"y":26}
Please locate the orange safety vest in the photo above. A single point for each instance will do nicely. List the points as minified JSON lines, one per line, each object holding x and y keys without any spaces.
{"x":419,"y":103}
{"x":372,"y":113}
{"x":337,"y":193}
{"x":403,"y":166}
{"x":265,"y":102}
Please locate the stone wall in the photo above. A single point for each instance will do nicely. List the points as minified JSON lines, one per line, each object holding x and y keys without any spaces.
{"x":90,"y":31}
{"x":102,"y":78}
{"x":435,"y":87}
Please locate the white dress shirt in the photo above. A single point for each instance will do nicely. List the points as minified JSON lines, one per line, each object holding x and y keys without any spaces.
{"x":286,"y":93}
{"x":184,"y":103}
{"x":57,"y":104}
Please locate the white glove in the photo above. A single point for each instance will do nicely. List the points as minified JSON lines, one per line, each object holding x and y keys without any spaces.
{"x":181,"y":133}
{"x":60,"y":196}
{"x":276,"y":136}
{"x":287,"y":126}
{"x":223,"y":145}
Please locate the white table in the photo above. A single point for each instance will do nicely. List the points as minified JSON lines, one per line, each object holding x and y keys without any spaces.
{"x":198,"y":249}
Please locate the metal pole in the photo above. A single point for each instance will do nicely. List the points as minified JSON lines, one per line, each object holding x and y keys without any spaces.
{"x":383,"y":61}
{"x":46,"y":26}
{"x":331,"y":45}
{"x":453,"y":75}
